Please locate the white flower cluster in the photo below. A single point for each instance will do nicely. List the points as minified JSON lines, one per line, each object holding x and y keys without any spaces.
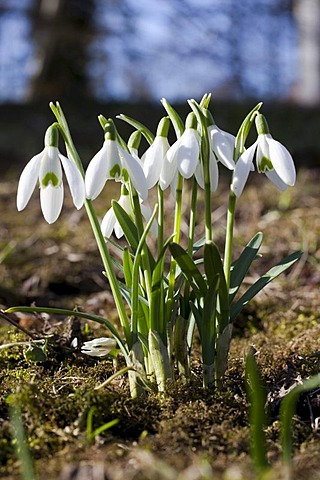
{"x":160,"y":164}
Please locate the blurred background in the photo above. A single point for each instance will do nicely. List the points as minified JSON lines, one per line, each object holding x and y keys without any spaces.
{"x":122,"y":56}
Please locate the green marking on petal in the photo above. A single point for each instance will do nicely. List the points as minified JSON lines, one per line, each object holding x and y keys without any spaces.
{"x":125,"y":175}
{"x":50,"y":177}
{"x":265,"y":165}
{"x":115,"y":171}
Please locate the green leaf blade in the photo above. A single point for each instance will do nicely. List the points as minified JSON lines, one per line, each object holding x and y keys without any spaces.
{"x":263,"y":281}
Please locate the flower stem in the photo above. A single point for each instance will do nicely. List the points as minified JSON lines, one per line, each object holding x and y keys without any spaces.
{"x":104,"y":253}
{"x":192,"y":219}
{"x":105,"y":256}
{"x":176,"y":239}
{"x":229,"y":237}
{"x":160,"y":219}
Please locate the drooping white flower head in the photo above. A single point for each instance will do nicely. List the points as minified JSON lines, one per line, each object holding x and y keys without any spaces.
{"x":153,"y":157}
{"x":183,"y":155}
{"x":222,"y":144}
{"x":99,"y":347}
{"x":272,"y":158}
{"x":113,"y":162}
{"x":46,"y":168}
{"x":110,"y":223}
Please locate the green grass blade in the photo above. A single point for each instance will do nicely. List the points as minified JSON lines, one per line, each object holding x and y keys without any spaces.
{"x":263,"y":281}
{"x":287,"y":410}
{"x":242,"y":264}
{"x":22,"y":449}
{"x":257,"y":417}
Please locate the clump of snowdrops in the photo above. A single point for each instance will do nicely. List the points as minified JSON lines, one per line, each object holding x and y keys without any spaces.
{"x":172,"y":289}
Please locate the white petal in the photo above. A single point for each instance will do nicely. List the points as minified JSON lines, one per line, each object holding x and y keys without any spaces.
{"x":153,"y":160}
{"x":274,"y":177}
{"x":28,"y":181}
{"x":101,"y":168}
{"x":118,"y":230}
{"x":108,"y":223}
{"x":75,"y":181}
{"x":135,"y":172}
{"x":242,"y":169}
{"x":223,"y":144}
{"x":99,"y":347}
{"x":214,"y":173}
{"x":168,"y":171}
{"x":282,"y":162}
{"x":51,"y":199}
{"x":199,"y":175}
{"x":187,"y":155}
{"x":262,"y":152}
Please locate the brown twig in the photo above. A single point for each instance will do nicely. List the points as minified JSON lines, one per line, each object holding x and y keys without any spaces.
{"x":17,"y":325}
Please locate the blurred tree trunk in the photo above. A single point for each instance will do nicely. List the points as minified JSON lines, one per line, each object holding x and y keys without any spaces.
{"x":307,"y":15}
{"x":62,"y":30}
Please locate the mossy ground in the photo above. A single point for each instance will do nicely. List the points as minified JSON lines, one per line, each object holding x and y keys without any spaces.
{"x":191,"y":433}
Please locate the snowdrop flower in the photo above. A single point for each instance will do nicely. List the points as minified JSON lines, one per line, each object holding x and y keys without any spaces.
{"x":272,"y":158}
{"x":153,"y":158}
{"x":99,"y":347}
{"x":222,"y":143}
{"x":113,"y":162}
{"x":221,"y":148}
{"x":46,"y":168}
{"x":183,"y":155}
{"x":110,"y":222}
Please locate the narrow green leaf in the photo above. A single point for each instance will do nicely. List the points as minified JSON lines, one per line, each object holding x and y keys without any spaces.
{"x":130,"y":230}
{"x":127,"y":267}
{"x":262,"y":282}
{"x":127,"y":225}
{"x":240,"y":267}
{"x":222,"y":350}
{"x":287,"y":410}
{"x":197,"y":313}
{"x":209,"y":322}
{"x":256,"y":393}
{"x":139,"y":126}
{"x":157,"y":294}
{"x":213,"y":267}
{"x":188,"y":268}
{"x":175,"y":118}
{"x":135,"y":274}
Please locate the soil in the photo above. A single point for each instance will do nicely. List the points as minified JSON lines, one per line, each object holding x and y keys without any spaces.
{"x":191,"y":433}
